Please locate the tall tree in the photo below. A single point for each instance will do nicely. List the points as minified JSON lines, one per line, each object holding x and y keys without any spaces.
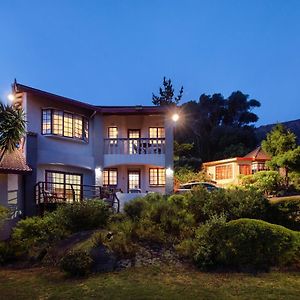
{"x":166,"y":94}
{"x":281,"y":144}
{"x":220,"y":127}
{"x":12,"y":128}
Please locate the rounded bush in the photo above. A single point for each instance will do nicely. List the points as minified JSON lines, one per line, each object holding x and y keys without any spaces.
{"x":245,"y":244}
{"x":76,"y":263}
{"x":234,"y":203}
{"x":86,"y":215}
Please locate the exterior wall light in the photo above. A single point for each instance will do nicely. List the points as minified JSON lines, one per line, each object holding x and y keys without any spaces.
{"x":175,"y":117}
{"x":169,"y":172}
{"x":98,"y":176}
{"x":11,"y":97}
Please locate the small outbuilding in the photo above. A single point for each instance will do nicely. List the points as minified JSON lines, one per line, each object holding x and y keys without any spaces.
{"x":228,"y":171}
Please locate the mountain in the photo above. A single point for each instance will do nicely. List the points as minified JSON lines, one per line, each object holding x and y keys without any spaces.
{"x":294,"y":126}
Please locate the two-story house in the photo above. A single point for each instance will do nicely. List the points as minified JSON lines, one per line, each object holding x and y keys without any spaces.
{"x":72,"y":146}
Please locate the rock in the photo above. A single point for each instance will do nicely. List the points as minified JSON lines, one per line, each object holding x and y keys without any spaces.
{"x":104,"y":260}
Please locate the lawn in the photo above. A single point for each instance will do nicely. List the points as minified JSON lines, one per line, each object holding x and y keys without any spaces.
{"x":148,"y":283}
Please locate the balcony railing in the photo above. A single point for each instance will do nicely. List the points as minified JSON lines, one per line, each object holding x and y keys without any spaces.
{"x":134,"y":146}
{"x":51,"y":194}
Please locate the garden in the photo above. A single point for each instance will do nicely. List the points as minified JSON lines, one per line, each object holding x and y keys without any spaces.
{"x":235,"y":232}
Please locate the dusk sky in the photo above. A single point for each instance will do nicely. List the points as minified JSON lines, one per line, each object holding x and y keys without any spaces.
{"x":117,"y":52}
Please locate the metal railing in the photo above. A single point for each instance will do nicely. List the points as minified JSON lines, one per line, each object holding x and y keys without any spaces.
{"x":134,"y":146}
{"x":58,"y":193}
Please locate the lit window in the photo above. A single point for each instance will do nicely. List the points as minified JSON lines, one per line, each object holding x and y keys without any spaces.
{"x":46,"y":121}
{"x":224,"y":172}
{"x":157,"y":176}
{"x":57,"y":122}
{"x":133,"y":180}
{"x":68,"y":125}
{"x":64,"y":124}
{"x":65,"y":186}
{"x":113,"y":134}
{"x":110,"y":177}
{"x":78,"y":127}
{"x":156,"y":133}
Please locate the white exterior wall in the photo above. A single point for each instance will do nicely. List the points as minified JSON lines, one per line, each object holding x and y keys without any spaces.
{"x":56,"y":149}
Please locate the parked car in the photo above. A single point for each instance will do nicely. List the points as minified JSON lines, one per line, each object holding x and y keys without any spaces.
{"x":183,"y":188}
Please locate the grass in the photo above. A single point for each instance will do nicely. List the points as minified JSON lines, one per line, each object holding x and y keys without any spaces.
{"x":148,"y":283}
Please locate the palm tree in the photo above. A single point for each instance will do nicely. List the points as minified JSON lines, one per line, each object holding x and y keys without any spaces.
{"x":12,"y":128}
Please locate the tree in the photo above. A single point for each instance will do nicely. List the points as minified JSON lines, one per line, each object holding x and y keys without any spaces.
{"x":166,"y":94}
{"x":282,"y":146}
{"x":12,"y":128}
{"x":219,"y":127}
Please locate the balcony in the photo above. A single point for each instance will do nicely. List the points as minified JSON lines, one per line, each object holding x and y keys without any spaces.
{"x":134,"y":151}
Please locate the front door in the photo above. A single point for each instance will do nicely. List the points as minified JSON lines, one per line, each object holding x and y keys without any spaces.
{"x":133,"y":135}
{"x":134,"y":181}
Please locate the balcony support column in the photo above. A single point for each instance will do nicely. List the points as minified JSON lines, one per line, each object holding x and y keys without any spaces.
{"x":169,"y":160}
{"x":98,"y":148}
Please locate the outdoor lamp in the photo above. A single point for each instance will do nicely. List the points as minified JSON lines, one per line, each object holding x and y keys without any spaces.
{"x":169,"y":172}
{"x":11,"y":97}
{"x":175,"y":117}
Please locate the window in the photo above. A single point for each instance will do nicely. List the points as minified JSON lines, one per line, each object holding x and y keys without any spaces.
{"x":113,"y":134}
{"x":258,"y":166}
{"x":46,"y":121}
{"x":157,"y":176}
{"x":110,"y":177}
{"x":245,"y":169}
{"x":68,"y":125}
{"x":66,"y":186}
{"x":156,"y":133}
{"x":64,"y":124}
{"x":133,"y":180}
{"x":57,"y":122}
{"x":224,"y":172}
{"x":78,"y":127}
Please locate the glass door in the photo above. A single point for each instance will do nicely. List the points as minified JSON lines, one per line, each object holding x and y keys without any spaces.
{"x":134,"y":181}
{"x":134,"y":144}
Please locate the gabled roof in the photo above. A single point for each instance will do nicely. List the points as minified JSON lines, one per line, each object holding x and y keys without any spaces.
{"x":14,"y":162}
{"x":136,"y":109}
{"x":258,"y":154}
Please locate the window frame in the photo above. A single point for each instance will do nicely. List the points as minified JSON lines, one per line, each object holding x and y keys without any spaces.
{"x":109,"y":170}
{"x":84,"y":129}
{"x":158,"y":184}
{"x":64,"y":173}
{"x":227,"y":169}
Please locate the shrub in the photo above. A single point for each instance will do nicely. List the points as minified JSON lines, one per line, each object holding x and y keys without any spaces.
{"x":173,"y":221}
{"x":34,"y":234}
{"x":286,"y":213}
{"x":118,"y":240}
{"x":178,"y":200}
{"x":267,"y":182}
{"x":234,"y":203}
{"x":184,"y":175}
{"x":83,"y":215}
{"x":3,"y":214}
{"x":7,"y":252}
{"x":76,"y":263}
{"x":246,"y":244}
{"x":135,"y":208}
